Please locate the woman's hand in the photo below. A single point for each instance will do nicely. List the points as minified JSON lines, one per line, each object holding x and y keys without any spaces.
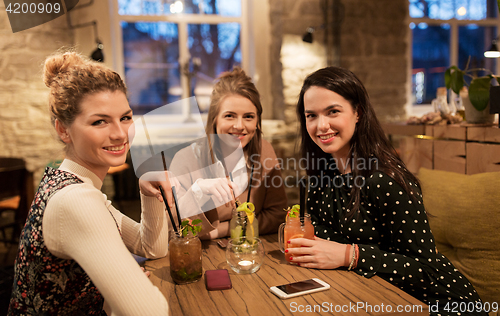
{"x":318,"y":253}
{"x":221,"y":190}
{"x":150,"y":183}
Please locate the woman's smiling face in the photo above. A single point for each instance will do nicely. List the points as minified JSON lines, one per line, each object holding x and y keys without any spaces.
{"x":330,"y":121}
{"x":237,"y":117}
{"x":98,"y":137}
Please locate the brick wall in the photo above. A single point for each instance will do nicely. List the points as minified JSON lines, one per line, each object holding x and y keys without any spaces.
{"x":373,"y":46}
{"x":25,"y":129}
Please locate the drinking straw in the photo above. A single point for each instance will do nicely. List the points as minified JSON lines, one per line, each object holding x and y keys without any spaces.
{"x":168,"y":209}
{"x":165,"y":198}
{"x":164,"y":162}
{"x":250,"y":184}
{"x":176,"y":205}
{"x":302,"y":198}
{"x":232,"y":191}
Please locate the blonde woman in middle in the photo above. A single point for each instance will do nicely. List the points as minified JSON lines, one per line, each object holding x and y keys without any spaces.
{"x":203,"y":168}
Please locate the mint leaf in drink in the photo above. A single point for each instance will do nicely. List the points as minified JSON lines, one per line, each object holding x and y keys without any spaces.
{"x":194,"y":227}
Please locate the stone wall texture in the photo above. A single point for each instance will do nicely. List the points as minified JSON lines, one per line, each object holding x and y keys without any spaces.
{"x":374,"y":46}
{"x":25,"y":129}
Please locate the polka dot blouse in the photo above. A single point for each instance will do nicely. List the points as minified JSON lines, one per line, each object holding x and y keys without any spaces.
{"x":393,"y":235}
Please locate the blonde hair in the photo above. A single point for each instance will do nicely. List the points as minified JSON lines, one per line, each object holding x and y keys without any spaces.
{"x":71,"y":77}
{"x":236,"y":82}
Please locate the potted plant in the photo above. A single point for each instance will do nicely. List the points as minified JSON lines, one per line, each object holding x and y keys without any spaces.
{"x":476,"y":98}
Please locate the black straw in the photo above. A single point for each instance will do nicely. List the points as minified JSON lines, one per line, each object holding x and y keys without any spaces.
{"x":176,"y":205}
{"x":250,"y":184}
{"x":168,"y":210}
{"x":232,"y":191}
{"x":165,"y":198}
{"x":302,"y":198}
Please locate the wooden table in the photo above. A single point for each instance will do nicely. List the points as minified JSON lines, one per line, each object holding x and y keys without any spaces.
{"x":350,"y":294}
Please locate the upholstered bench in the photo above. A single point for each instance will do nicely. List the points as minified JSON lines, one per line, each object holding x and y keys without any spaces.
{"x":464,"y":215}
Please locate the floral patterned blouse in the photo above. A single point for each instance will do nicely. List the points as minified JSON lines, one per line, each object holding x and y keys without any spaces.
{"x":43,"y":283}
{"x":393,"y":235}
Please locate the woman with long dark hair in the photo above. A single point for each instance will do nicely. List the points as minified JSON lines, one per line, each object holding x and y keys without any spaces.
{"x":366,"y":206}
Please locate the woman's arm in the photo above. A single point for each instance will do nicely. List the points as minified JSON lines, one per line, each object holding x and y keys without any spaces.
{"x":319,"y":253}
{"x":192,"y":202}
{"x":411,"y":254}
{"x":406,"y":251}
{"x":77,"y":225}
{"x":149,"y":238}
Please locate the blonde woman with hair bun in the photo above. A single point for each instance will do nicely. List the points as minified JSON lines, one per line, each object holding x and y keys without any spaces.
{"x":74,"y":252}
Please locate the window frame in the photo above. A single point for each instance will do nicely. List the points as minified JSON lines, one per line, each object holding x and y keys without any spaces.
{"x":412,"y":109}
{"x":182,"y":20}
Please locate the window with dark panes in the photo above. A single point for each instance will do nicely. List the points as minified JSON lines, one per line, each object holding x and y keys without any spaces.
{"x":445,"y":33}
{"x":176,"y":49}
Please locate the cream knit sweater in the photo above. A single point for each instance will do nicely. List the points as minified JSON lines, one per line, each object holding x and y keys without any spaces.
{"x":81,"y":224}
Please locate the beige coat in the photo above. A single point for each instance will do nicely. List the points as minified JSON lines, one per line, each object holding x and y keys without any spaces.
{"x":267,"y":194}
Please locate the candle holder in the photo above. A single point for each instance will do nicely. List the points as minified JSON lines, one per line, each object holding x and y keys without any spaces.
{"x":245,"y":255}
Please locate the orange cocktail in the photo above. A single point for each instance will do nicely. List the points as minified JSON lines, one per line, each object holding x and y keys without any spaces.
{"x":295,"y":227}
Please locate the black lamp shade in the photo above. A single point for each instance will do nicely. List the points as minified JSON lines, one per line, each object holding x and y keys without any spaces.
{"x":493,"y":51}
{"x":308,"y":37}
{"x":97,"y":54}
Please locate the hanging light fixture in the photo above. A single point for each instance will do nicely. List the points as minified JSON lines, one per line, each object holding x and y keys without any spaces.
{"x":97,"y":54}
{"x":493,"y":51}
{"x":308,"y":35}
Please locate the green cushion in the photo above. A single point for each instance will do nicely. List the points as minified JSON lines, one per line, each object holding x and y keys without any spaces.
{"x":464,"y":215}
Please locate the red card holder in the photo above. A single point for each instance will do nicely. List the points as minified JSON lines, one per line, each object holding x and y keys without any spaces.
{"x":217,"y":280}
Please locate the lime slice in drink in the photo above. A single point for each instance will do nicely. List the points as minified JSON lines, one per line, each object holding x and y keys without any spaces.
{"x":237,"y":232}
{"x":293,"y":212}
{"x":249,"y":208}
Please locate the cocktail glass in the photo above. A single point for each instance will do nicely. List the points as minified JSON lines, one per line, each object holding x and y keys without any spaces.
{"x":185,"y":259}
{"x":295,"y":227}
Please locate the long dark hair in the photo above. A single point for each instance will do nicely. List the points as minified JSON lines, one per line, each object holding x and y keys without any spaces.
{"x":368,"y":142}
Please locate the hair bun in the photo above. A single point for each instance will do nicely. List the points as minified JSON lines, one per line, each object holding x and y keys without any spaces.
{"x":236,"y":72}
{"x":60,"y":63}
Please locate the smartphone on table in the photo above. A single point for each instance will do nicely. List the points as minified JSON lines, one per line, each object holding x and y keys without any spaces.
{"x":299,"y":288}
